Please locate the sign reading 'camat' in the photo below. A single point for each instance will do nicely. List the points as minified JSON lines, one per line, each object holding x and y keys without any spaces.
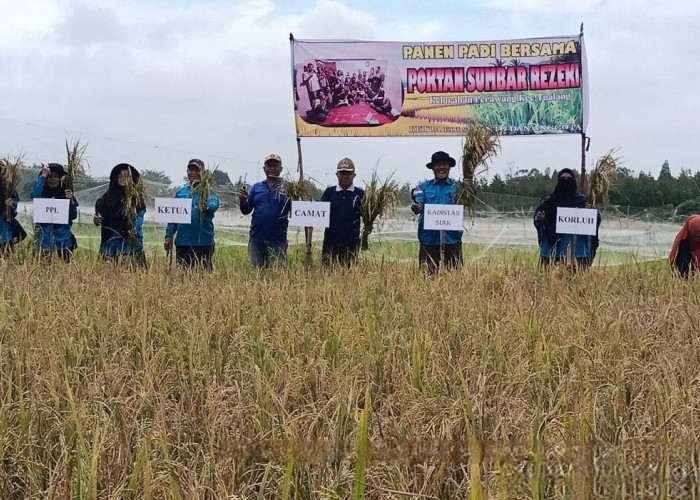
{"x":311,"y":214}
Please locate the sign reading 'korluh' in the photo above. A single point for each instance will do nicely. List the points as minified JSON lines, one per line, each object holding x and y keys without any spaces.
{"x":577,"y":221}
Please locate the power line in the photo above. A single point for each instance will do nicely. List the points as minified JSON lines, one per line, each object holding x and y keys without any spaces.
{"x":127,"y":141}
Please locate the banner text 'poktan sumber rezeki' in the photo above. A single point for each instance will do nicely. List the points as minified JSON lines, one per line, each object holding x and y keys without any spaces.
{"x":515,"y":87}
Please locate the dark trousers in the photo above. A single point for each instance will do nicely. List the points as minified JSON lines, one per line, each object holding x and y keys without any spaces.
{"x":344,"y":253}
{"x":582,"y":263}
{"x":66,"y":255}
{"x":133,"y":260}
{"x":429,"y":256}
{"x":200,"y":256}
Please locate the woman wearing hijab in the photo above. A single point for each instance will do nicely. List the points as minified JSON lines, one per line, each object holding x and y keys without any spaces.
{"x":11,"y":231}
{"x":55,"y":237}
{"x":119,"y":239}
{"x":554,"y":246}
{"x":685,"y":253}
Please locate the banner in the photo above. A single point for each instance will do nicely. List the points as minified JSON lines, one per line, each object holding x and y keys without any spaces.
{"x":515,"y":87}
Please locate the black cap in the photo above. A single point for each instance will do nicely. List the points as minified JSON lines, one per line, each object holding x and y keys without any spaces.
{"x":440,"y":156}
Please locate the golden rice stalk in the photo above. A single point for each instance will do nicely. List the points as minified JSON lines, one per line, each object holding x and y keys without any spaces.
{"x":602,"y":177}
{"x":380,"y":200}
{"x":480,"y":146}
{"x":134,"y":201}
{"x":76,"y":165}
{"x":11,"y":177}
{"x":204,"y":187}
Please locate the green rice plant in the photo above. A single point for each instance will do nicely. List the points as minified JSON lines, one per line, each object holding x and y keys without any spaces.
{"x":11,"y":177}
{"x":379,"y":202}
{"x":362,"y":450}
{"x":602,"y":177}
{"x":480,"y":146}
{"x":76,"y":164}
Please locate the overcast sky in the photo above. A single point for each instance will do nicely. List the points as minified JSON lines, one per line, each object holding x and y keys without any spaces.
{"x":157,"y":82}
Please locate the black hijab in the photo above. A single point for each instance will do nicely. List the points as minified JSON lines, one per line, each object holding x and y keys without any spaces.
{"x":111,"y":204}
{"x":58,"y":192}
{"x":565,"y":195}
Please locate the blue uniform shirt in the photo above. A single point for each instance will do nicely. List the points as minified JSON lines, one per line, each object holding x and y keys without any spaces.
{"x":270,"y":212}
{"x":432,"y":192}
{"x":5,"y":227}
{"x":59,"y":237}
{"x":200,"y":232}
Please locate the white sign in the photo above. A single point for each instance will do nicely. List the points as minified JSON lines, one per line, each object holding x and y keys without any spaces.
{"x":311,"y":213}
{"x":577,"y":221}
{"x":447,"y":217}
{"x":177,"y":210}
{"x":51,"y":211}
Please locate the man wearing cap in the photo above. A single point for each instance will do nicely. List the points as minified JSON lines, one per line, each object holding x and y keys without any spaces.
{"x":341,"y":240}
{"x":442,"y":191}
{"x":270,"y":207}
{"x":194,"y":242}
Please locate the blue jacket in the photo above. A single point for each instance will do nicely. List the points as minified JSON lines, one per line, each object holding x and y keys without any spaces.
{"x":432,"y":192}
{"x":345,"y":214}
{"x":117,"y":245}
{"x":200,"y":232}
{"x":54,"y":236}
{"x":5,"y":227}
{"x":270,"y":212}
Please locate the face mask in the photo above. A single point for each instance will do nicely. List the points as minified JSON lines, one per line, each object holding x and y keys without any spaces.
{"x":566,"y":187}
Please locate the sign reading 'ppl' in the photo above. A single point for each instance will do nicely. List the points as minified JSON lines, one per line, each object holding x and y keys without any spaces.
{"x":443,"y":217}
{"x":311,"y":213}
{"x":51,"y":211}
{"x":175,"y":210}
{"x":577,"y":221}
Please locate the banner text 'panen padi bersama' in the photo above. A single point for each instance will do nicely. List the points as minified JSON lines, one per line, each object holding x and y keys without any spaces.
{"x":515,"y":87}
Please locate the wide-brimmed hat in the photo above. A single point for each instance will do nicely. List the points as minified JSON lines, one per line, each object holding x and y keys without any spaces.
{"x":440,"y":156}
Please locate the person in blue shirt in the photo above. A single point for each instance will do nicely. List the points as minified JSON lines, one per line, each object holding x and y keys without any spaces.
{"x":341,"y":239}
{"x":11,"y":232}
{"x":55,"y":238}
{"x":554,"y":246}
{"x":267,"y":242}
{"x":120,"y":240}
{"x":194,"y":242}
{"x":442,"y":191}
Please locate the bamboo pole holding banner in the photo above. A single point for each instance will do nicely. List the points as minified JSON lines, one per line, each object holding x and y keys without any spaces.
{"x":308,"y":231}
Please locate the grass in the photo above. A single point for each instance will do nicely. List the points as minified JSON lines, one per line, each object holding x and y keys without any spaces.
{"x":236,"y":384}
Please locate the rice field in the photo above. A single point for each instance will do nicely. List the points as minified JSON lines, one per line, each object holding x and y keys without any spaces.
{"x":495,"y":381}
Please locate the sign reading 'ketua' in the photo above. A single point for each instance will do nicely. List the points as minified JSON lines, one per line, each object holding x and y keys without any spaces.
{"x":51,"y":211}
{"x":577,"y":221}
{"x":175,"y":210}
{"x":311,"y":213}
{"x":443,"y":217}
